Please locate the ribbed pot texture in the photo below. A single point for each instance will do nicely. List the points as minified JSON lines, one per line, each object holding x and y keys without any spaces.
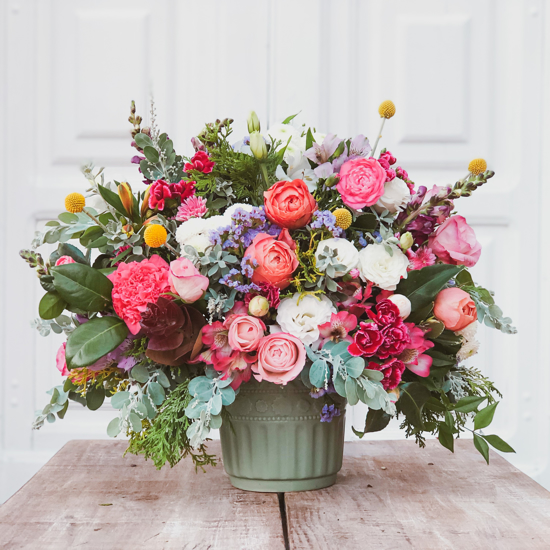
{"x":274,"y":440}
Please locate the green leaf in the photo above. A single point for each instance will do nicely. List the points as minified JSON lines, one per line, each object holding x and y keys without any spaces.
{"x":421,"y":286}
{"x":445,"y":437}
{"x":156,"y":393}
{"x":351,"y":391}
{"x":94,"y":339}
{"x":151,"y":154}
{"x":365,"y":222}
{"x":217,"y":204}
{"x":140,"y":373}
{"x":319,"y":373}
{"x":291,"y":117}
{"x":113,"y":429}
{"x":135,"y":421}
{"x":118,"y":400}
{"x":143,"y":140}
{"x":112,"y":198}
{"x":66,"y":249}
{"x":355,"y":366}
{"x":90,"y":235}
{"x":68,"y":217}
{"x":376,"y":421}
{"x":51,"y":305}
{"x":485,"y":416}
{"x":162,"y":379}
{"x":309,"y":139}
{"x":469,"y":403}
{"x":414,"y":396}
{"x":498,"y":443}
{"x":481,"y":445}
{"x":95,"y":397}
{"x":464,"y":278}
{"x":82,"y":286}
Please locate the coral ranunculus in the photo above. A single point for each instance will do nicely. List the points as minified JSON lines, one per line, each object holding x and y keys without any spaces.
{"x":276,"y":261}
{"x":361,"y":182}
{"x":455,"y":243}
{"x":281,"y":358}
{"x":289,"y":204}
{"x":135,"y":285}
{"x":186,"y":280}
{"x":455,"y":308}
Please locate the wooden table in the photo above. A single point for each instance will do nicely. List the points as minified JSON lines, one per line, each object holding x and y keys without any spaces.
{"x":389,"y":495}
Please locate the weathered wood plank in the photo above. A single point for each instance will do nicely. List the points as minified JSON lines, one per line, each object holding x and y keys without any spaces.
{"x":393,"y":495}
{"x":61,"y":507}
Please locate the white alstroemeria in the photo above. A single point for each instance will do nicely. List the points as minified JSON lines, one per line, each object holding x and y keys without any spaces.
{"x":385,"y":270}
{"x":298,"y":168}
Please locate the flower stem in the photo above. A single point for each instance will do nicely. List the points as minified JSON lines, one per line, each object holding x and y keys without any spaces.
{"x":171,"y":249}
{"x":265,"y":176}
{"x":378,"y":138}
{"x":95,"y":220}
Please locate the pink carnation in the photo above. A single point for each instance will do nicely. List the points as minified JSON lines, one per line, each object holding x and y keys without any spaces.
{"x":423,"y":257}
{"x":135,"y":285}
{"x":193,"y":207}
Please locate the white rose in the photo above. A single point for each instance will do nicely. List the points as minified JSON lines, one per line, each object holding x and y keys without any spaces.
{"x":395,"y":198}
{"x":346,"y":253}
{"x":385,"y":271}
{"x":196,"y":232}
{"x":302,"y":317}
{"x":403,"y":303}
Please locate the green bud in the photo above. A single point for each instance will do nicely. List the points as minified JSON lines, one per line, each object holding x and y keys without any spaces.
{"x":257,"y":146}
{"x":406,"y":240}
{"x":332,"y":180}
{"x":253,"y":122}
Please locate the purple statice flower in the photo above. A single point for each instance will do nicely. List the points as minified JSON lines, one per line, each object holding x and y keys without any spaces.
{"x":329,"y":412}
{"x":319,"y":392}
{"x":118,"y":357}
{"x":361,"y":238}
{"x":248,"y":265}
{"x":377,"y":236}
{"x":325,"y":219}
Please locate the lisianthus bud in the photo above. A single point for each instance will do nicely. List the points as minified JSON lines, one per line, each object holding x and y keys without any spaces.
{"x":253,"y":122}
{"x":406,"y":240}
{"x":331,"y":181}
{"x":258,"y":306}
{"x":403,"y":303}
{"x":126,"y":197}
{"x":257,"y":146}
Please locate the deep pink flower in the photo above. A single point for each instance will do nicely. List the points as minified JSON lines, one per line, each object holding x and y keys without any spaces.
{"x":386,"y":160}
{"x":200,"y":162}
{"x":361,"y":182}
{"x":60,"y":361}
{"x":387,"y":313}
{"x":135,"y":285}
{"x":423,"y":257}
{"x":192,"y":207}
{"x":64,"y":260}
{"x":267,"y":290}
{"x":338,"y":328}
{"x":413,"y":356}
{"x":160,"y":191}
{"x":366,"y":340}
{"x":392,"y":371}
{"x":455,"y":243}
{"x":396,"y":339}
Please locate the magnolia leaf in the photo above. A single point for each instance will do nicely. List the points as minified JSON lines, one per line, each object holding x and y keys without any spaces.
{"x":376,"y":421}
{"x":51,"y":305}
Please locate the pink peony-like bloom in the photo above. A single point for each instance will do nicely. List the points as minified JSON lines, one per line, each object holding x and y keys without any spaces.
{"x":339,"y":327}
{"x":455,"y":243}
{"x":60,"y":361}
{"x":455,"y":309}
{"x":245,"y":332}
{"x":135,"y":285}
{"x":392,"y":371}
{"x":281,"y":358}
{"x":423,"y":257}
{"x":361,"y":182}
{"x":186,"y":280}
{"x":64,"y":260}
{"x":200,"y":162}
{"x":193,"y":207}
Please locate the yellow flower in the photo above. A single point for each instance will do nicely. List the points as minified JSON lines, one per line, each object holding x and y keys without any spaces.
{"x":75,"y":202}
{"x":386,"y":109}
{"x":126,"y":197}
{"x":343,"y":217}
{"x":477,"y":166}
{"x":155,"y":235}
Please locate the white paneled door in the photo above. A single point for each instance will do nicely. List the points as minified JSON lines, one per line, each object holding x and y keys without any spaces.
{"x":469,"y":78}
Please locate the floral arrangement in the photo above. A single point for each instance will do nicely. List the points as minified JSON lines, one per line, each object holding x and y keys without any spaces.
{"x":291,"y":255}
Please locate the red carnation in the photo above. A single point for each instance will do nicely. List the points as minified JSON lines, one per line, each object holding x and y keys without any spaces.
{"x":396,"y":339}
{"x":387,"y":313}
{"x":366,"y":340}
{"x":200,"y":162}
{"x":161,"y":191}
{"x":392,"y":371}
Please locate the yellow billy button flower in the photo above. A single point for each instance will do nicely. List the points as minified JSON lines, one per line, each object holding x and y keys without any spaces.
{"x":477,"y":166}
{"x":155,"y":235}
{"x":343,"y":217}
{"x":75,"y":202}
{"x":386,"y":109}
{"x":126,"y":197}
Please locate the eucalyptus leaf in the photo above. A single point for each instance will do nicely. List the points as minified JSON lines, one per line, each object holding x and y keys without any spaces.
{"x":113,"y":429}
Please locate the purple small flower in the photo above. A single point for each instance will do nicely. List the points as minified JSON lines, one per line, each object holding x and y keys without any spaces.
{"x":329,"y":412}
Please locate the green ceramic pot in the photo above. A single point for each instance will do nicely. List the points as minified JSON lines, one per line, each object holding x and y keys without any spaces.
{"x":274,"y":441}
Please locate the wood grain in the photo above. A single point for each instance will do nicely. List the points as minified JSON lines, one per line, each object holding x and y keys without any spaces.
{"x":393,"y":495}
{"x":62,"y":506}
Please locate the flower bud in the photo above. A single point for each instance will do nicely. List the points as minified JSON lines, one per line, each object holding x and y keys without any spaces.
{"x":253,"y":122}
{"x":257,"y":146}
{"x":126,"y":197}
{"x":406,"y":240}
{"x":258,"y":306}
{"x":332,"y":180}
{"x":403,"y":303}
{"x":145,"y":203}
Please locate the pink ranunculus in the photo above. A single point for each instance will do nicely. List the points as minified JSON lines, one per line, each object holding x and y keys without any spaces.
{"x":361,"y":182}
{"x":186,"y":280}
{"x":455,"y":308}
{"x":64,"y":260}
{"x":60,"y":361}
{"x":281,"y":358}
{"x":245,"y":332}
{"x":135,"y":285}
{"x":455,"y":243}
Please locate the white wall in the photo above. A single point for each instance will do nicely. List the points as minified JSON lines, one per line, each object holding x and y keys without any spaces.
{"x":469,"y":79}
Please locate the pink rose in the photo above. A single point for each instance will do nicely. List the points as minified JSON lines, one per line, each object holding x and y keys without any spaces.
{"x":455,"y":309}
{"x":276,"y":260}
{"x":60,"y":361}
{"x":455,"y":242}
{"x":186,"y":280}
{"x":64,"y":260}
{"x":361,"y":182}
{"x":281,"y":358}
{"x":245,"y":332}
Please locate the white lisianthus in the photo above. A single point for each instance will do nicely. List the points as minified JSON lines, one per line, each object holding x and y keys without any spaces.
{"x":283,"y":132}
{"x":381,"y":268}
{"x":395,"y":198}
{"x":196,"y":232}
{"x":403,"y":303}
{"x":346,"y":253}
{"x":301,"y":316}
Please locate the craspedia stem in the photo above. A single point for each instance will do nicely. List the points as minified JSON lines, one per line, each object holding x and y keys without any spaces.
{"x":378,"y":138}
{"x":91,"y":216}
